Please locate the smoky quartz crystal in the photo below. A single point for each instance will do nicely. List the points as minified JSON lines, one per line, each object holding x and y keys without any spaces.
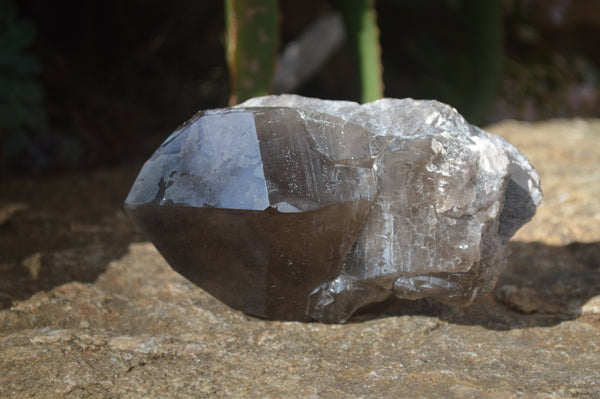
{"x":293,"y":208}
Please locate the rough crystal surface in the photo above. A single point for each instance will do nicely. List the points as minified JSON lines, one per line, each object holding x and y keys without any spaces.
{"x":295,"y":208}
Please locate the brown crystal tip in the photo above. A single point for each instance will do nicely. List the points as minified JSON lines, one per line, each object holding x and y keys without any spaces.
{"x":293,"y":208}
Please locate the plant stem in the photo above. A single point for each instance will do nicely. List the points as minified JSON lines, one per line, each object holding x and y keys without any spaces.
{"x":252,"y":41}
{"x":361,"y":22}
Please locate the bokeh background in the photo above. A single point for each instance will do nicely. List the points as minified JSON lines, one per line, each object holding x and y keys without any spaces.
{"x":95,"y":83}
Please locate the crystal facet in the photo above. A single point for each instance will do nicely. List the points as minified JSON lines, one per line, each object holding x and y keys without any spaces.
{"x":294,"y":208}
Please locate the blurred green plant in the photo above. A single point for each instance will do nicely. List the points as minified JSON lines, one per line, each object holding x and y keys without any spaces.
{"x":21,"y":109}
{"x":252,"y":41}
{"x":361,"y":23}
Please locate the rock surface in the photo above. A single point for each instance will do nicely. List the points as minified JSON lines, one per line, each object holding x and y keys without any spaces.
{"x":296,"y":208}
{"x":141,"y":330}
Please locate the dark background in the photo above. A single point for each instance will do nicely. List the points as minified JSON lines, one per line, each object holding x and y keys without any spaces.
{"x":118,"y":76}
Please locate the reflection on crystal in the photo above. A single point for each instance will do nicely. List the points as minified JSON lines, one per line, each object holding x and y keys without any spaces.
{"x":293,"y":208}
